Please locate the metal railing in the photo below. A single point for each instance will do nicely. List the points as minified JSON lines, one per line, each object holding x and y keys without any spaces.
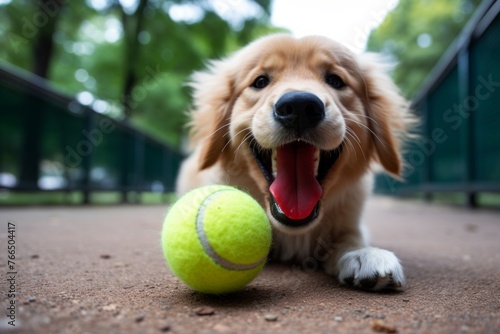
{"x":50,"y":142}
{"x":459,"y":105}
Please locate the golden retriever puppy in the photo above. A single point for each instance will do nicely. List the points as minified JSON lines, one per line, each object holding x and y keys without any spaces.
{"x":298,"y":123}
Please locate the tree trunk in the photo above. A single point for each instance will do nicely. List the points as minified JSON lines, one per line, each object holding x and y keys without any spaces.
{"x":47,"y":11}
{"x":132,"y":26}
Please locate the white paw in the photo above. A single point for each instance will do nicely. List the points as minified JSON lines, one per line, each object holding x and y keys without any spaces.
{"x":371,"y":268}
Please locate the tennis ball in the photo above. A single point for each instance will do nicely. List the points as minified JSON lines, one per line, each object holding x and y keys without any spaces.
{"x":216,"y":239}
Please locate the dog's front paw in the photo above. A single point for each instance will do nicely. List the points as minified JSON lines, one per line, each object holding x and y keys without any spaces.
{"x":371,"y":268}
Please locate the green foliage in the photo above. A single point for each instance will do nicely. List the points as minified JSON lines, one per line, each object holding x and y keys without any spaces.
{"x":416,"y":33}
{"x":104,"y":48}
{"x":166,"y":92}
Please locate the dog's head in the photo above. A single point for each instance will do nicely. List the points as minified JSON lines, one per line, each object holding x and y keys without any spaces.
{"x":307,"y":117}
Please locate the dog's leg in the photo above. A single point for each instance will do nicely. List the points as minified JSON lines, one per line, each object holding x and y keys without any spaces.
{"x":358,"y":265}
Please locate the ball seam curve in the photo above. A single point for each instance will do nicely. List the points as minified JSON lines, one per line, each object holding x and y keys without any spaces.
{"x":207,"y":247}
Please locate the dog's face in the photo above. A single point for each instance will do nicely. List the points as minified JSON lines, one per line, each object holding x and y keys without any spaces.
{"x":306,"y":117}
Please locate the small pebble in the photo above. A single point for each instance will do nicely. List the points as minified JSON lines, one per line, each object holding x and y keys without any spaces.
{"x":140,"y":317}
{"x":406,"y":300}
{"x":164,"y":328}
{"x":381,"y":326}
{"x":338,"y":319}
{"x":105,"y":256}
{"x":31,"y":299}
{"x":271,"y":317}
{"x":35,"y":256}
{"x":110,"y":307}
{"x":204,"y":311}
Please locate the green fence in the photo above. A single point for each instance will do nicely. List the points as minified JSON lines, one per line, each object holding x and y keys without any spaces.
{"x":459,"y":146}
{"x":50,"y":142}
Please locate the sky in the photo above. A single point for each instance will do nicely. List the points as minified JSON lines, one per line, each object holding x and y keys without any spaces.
{"x":347,"y":21}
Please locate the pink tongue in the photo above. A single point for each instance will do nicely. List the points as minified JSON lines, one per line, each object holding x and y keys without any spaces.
{"x":295,"y":188}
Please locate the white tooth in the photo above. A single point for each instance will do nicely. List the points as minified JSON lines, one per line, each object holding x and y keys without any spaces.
{"x":316,"y":161}
{"x":273,"y":163}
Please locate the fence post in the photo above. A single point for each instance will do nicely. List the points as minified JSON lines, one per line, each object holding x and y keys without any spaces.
{"x":426,"y":129}
{"x":125,"y":167}
{"x":138,"y":166}
{"x":31,"y":153}
{"x":465,"y":91}
{"x":87,"y":158}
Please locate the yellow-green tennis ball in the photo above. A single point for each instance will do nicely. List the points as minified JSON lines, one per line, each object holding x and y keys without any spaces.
{"x":216,"y":239}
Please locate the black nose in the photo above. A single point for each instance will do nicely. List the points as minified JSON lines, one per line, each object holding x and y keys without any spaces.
{"x":299,"y":110}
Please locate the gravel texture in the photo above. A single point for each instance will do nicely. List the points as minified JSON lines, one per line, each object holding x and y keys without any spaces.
{"x":101,"y":270}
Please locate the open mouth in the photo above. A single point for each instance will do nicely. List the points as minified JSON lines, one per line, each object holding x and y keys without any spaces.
{"x":294,"y":172}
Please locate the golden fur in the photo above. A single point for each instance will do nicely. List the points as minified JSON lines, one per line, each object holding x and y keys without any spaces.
{"x":368,"y":116}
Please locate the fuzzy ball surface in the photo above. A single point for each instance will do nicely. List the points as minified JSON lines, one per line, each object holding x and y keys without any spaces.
{"x":216,"y":239}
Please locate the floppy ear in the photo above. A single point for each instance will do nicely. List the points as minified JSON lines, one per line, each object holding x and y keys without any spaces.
{"x":213,"y":101}
{"x":388,"y":114}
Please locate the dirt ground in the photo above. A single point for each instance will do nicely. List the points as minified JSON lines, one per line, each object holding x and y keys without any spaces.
{"x":101,"y":270}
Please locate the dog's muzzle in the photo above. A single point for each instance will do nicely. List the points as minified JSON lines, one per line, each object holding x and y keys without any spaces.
{"x":296,"y":169}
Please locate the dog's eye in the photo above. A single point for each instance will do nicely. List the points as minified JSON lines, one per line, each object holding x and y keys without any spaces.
{"x":335,"y":81}
{"x":261,"y":82}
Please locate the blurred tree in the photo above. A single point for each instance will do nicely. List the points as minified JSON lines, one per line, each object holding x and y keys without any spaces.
{"x":416,"y":33}
{"x":132,"y":26}
{"x":46,"y":15}
{"x":129,"y":59}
